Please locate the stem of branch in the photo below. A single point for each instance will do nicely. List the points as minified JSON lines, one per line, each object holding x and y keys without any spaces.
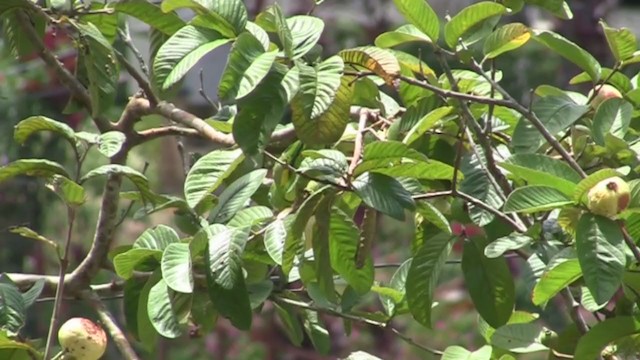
{"x":629,"y":241}
{"x":357,"y":150}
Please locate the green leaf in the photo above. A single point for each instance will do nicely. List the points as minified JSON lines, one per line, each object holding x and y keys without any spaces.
{"x":468,"y":18}
{"x":322,"y":257}
{"x":506,"y":38}
{"x":106,"y":23}
{"x":617,"y":79}
{"x":31,"y":167}
{"x":291,"y":322}
{"x":477,"y":184}
{"x":398,"y":283}
{"x":156,"y":238}
{"x":622,"y":42}
{"x":181,"y":52}
{"x":489,"y":283}
{"x":501,"y":245}
{"x":590,"y":345}
{"x":519,"y":338}
{"x":421,"y":280}
{"x":251,"y":216}
{"x":15,"y":39}
{"x":318,"y":335}
{"x":137,"y":178}
{"x":320,"y":112}
{"x":29,"y":126}
{"x":68,"y":190}
{"x":208,"y":173}
{"x":343,"y":244}
{"x":31,"y":234}
{"x":176,"y":267}
{"x":305,"y":33}
{"x":247,"y":65}
{"x":16,"y":350}
{"x":147,"y":333}
{"x":421,"y":15}
{"x":229,"y":17}
{"x":12,"y":307}
{"x":601,"y":254}
{"x":538,"y":169}
{"x":590,"y":181}
{"x":102,"y":68}
{"x":384,"y":194}
{"x":168,"y":310}
{"x":225,"y":277}
{"x":236,"y":195}
{"x":282,"y":28}
{"x":536,"y":198}
{"x":559,"y":8}
{"x":569,"y":51}
{"x":30,"y":296}
{"x":110,"y":143}
{"x":402,"y":35}
{"x":259,"y":292}
{"x":426,"y":123}
{"x":613,"y":116}
{"x":259,"y":34}
{"x":274,"y":238}
{"x":557,"y":113}
{"x":428,"y":170}
{"x":126,"y":263}
{"x":459,"y":353}
{"x":379,"y":61}
{"x":556,"y":279}
{"x":431,"y":214}
{"x":361,"y":355}
{"x":168,"y":23}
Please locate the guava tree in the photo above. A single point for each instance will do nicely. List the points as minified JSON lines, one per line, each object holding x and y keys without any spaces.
{"x":312,"y":150}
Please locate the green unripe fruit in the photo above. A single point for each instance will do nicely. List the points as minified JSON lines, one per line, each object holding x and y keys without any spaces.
{"x":609,"y":197}
{"x":82,"y":339}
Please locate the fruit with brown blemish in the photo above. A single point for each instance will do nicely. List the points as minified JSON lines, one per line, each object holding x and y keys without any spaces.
{"x":82,"y":339}
{"x":609,"y":197}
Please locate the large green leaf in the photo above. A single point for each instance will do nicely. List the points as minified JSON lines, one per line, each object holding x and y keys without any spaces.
{"x":168,"y":23}
{"x":181,"y":52}
{"x":291,"y":322}
{"x":343,"y":243}
{"x":247,"y":65}
{"x":317,"y":333}
{"x":489,"y":283}
{"x":536,"y":198}
{"x":12,"y":307}
{"x":208,"y":173}
{"x":31,"y":167}
{"x":569,"y":51}
{"x":251,"y":216}
{"x":538,"y":169}
{"x":262,"y":111}
{"x":556,"y":113}
{"x":229,"y":17}
{"x":520,"y":338}
{"x":147,"y":333}
{"x":559,"y":8}
{"x":137,"y":178}
{"x":225,"y":277}
{"x":590,"y":345}
{"x":601,"y":254}
{"x":381,"y":62}
{"x":477,"y":184}
{"x":506,"y":38}
{"x":468,"y":18}
{"x":156,"y":238}
{"x":176,"y":267}
{"x":459,"y":353}
{"x":421,"y":15}
{"x":421,"y":280}
{"x":274,"y":238}
{"x":305,"y":33}
{"x":322,"y":257}
{"x":622,"y":42}
{"x":15,"y":38}
{"x":501,"y":245}
{"x":102,"y":68}
{"x":426,"y":123}
{"x":556,"y":279}
{"x":320,"y":110}
{"x":384,"y":193}
{"x":236,"y":195}
{"x":613,"y":116}
{"x":168,"y":310}
{"x":127,"y":262}
{"x":402,"y":35}
{"x":110,"y":143}
{"x":29,"y":126}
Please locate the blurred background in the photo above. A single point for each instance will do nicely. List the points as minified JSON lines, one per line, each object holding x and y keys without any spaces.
{"x":27,"y":88}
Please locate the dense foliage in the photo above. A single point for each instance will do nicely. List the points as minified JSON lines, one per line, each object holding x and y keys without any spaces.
{"x":313,"y":150}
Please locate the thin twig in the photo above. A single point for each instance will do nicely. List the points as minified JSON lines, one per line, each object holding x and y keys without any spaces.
{"x":357,"y":149}
{"x":140,"y":79}
{"x":125,"y":36}
{"x":204,"y":94}
{"x":111,"y":326}
{"x":629,"y":241}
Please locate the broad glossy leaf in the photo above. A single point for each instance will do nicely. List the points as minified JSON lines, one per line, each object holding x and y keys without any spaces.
{"x":477,"y":184}
{"x":12,"y":307}
{"x":379,"y":61}
{"x":519,"y":338}
{"x":126,"y":263}
{"x":559,"y":8}
{"x":590,"y":345}
{"x":459,"y":353}
{"x":322,"y":256}
{"x":423,"y":274}
{"x":247,"y":65}
{"x":166,"y":22}
{"x":556,"y":279}
{"x":274,"y":238}
{"x":601,"y":255}
{"x":538,"y":169}
{"x":31,"y":167}
{"x":208,"y":173}
{"x":506,"y":38}
{"x":402,"y":35}
{"x":469,"y":17}
{"x":343,"y":244}
{"x":30,"y":296}
{"x":279,"y":22}
{"x":622,"y":42}
{"x":305,"y":33}
{"x":398,"y":283}
{"x":29,"y":126}
{"x":613,"y":116}
{"x":176,"y":267}
{"x":421,"y":15}
{"x":317,"y":333}
{"x":168,"y":310}
{"x":14,"y":37}
{"x":426,"y":123}
{"x":489,"y":283}
{"x":251,"y":216}
{"x":156,"y":238}
{"x":617,"y":79}
{"x":536,"y":198}
{"x":110,"y":143}
{"x":384,"y":194}
{"x":181,"y":52}
{"x":102,"y":68}
{"x":431,"y":214}
{"x":501,"y":245}
{"x":137,"y":178}
{"x":236,"y":195}
{"x":229,"y":17}
{"x":569,"y":51}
